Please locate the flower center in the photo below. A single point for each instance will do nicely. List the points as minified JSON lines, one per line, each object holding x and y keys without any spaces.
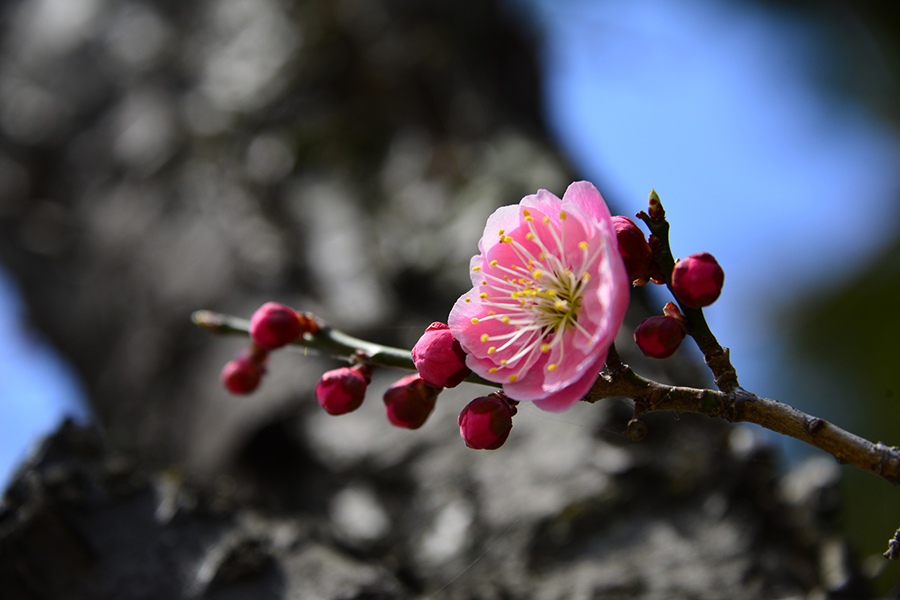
{"x":539,"y":295}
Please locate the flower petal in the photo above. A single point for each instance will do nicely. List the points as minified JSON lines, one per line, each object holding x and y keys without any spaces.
{"x":587,"y":197}
{"x":565,"y":398}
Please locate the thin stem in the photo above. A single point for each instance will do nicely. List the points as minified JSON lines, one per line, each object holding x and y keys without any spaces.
{"x":620,"y":381}
{"x":327,"y":340}
{"x":717,"y":358}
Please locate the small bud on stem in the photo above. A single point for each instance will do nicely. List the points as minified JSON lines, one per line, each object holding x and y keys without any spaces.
{"x":409,"y":401}
{"x":485,"y":422}
{"x":343,"y":390}
{"x":697,"y":280}
{"x":439,"y":358}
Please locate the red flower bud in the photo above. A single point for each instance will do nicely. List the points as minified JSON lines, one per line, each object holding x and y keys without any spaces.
{"x":409,"y":401}
{"x":439,"y":358}
{"x":275,"y":325}
{"x":659,"y":337}
{"x":342,"y":390}
{"x":634,"y":249}
{"x":697,"y":280}
{"x":485,"y":422}
{"x":241,"y":375}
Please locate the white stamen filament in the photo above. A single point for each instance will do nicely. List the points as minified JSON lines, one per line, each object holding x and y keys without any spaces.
{"x":540,"y":298}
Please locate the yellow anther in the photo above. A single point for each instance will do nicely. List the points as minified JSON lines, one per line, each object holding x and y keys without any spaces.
{"x":468,"y":299}
{"x":501,"y":232}
{"x":474,"y":321}
{"x":513,"y":378}
{"x":484,"y":282}
{"x":491,"y":350}
{"x":483,"y":295}
{"x":484,"y":337}
{"x":525,"y":212}
{"x":537,"y":274}
{"x":546,"y":220}
{"x":476,"y":268}
{"x":563,"y":216}
{"x":491,"y":313}
{"x":493,"y":263}
{"x":541,"y":256}
{"x":559,"y":304}
{"x":505,"y":320}
{"x":529,"y":218}
{"x":529,"y":236}
{"x":503,"y":363}
{"x":551,"y":293}
{"x":551,"y":367}
{"x":545,"y":348}
{"x":507,"y":240}
{"x":586,"y":276}
{"x":583,"y":245}
{"x":514,"y":267}
{"x":492,"y":370}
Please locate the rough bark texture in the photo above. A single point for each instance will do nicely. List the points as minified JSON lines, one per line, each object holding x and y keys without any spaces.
{"x":339,"y":157}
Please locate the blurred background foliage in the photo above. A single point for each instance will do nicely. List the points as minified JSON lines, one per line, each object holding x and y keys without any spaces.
{"x":845,"y":335}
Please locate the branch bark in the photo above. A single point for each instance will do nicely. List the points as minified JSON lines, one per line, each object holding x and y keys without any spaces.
{"x":743,"y":406}
{"x":620,"y":381}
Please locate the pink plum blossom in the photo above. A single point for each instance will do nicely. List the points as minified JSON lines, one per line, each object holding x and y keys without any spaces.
{"x":549,"y":294}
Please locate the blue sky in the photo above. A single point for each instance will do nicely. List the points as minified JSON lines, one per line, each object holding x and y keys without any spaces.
{"x":37,"y":389}
{"x":714,"y":105}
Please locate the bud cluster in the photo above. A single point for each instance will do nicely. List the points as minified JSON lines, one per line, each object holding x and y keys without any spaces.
{"x":272,"y":326}
{"x":485,"y":423}
{"x":695,"y":281}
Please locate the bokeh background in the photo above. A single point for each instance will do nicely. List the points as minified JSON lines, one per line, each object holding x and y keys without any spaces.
{"x":159,"y":158}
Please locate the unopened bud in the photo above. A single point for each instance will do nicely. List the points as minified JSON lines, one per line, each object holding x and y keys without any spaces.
{"x":485,"y":422}
{"x":275,"y":325}
{"x":655,"y":207}
{"x":342,"y":390}
{"x":659,"y":336}
{"x":409,"y":401}
{"x":241,"y":375}
{"x":697,"y":280}
{"x":439,"y":358}
{"x":634,"y":249}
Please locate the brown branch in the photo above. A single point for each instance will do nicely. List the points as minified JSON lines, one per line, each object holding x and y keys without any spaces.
{"x":716,"y":357}
{"x":743,"y":406}
{"x":619,"y":380}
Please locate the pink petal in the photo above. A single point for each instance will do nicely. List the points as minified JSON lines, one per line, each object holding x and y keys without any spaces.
{"x":545,"y":202}
{"x":584,"y":195}
{"x":506,"y":218}
{"x":565,"y":398}
{"x":570,"y":362}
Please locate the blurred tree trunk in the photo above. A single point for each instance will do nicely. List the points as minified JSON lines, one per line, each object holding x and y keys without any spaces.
{"x":340,"y":157}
